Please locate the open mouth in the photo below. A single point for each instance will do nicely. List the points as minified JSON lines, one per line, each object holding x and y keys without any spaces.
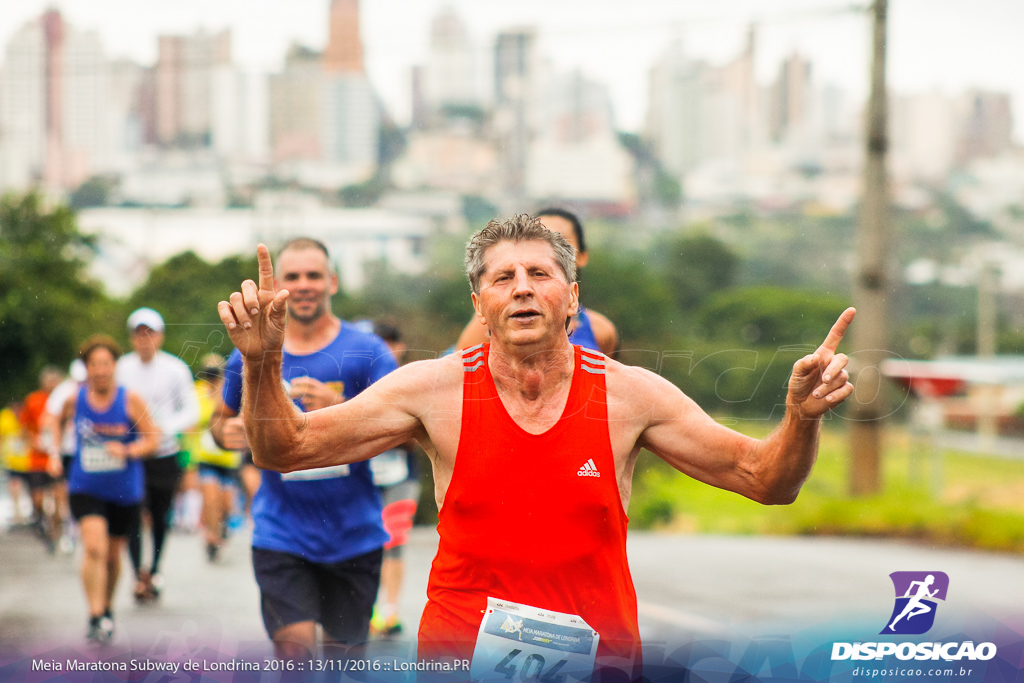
{"x":525,"y":315}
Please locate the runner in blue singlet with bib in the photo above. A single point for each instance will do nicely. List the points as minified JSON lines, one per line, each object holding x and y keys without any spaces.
{"x":113,"y":432}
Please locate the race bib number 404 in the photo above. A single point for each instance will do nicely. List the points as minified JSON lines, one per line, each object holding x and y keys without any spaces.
{"x":523,"y":643}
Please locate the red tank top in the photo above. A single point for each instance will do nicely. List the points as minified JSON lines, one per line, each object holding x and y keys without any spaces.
{"x":535,"y":519}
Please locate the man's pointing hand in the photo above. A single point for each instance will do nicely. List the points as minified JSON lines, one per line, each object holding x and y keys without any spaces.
{"x":255,"y":316}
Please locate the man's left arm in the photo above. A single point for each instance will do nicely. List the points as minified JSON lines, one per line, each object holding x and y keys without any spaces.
{"x":771,"y":470}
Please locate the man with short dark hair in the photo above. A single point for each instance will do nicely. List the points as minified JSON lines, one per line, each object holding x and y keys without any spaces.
{"x":533,"y":443}
{"x":317,"y":537}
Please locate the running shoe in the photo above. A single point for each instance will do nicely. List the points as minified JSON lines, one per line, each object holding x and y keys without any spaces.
{"x":212,"y":550}
{"x":381,"y":627}
{"x":101,"y":630}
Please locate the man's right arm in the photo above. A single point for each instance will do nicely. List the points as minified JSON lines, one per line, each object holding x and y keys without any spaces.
{"x":281,"y":437}
{"x":284,"y":439}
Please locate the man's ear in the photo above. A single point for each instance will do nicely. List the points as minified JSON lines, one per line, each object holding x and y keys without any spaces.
{"x":574,"y":301}
{"x":476,"y":312}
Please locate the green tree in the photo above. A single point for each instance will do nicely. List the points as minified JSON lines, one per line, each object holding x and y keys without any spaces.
{"x":624,"y":287}
{"x":93,"y":192}
{"x":185,"y":289}
{"x":696,"y":267}
{"x":769,"y":316}
{"x":48,"y":304}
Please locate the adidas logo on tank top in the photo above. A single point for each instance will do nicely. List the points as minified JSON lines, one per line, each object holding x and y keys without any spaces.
{"x":589,"y":469}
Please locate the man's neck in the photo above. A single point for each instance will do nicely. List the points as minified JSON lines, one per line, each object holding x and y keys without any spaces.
{"x":302,"y":338}
{"x":531,"y":372}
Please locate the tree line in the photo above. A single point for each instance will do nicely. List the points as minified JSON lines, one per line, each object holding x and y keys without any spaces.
{"x":721,"y":309}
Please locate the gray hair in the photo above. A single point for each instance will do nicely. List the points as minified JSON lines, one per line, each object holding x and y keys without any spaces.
{"x":519,"y":228}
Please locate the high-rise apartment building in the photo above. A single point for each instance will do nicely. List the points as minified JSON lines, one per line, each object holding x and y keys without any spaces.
{"x":576,"y":154}
{"x":517,"y":87}
{"x":450,"y":73}
{"x":344,"y":53}
{"x":54,"y":117}
{"x":700,"y":113}
{"x":184,"y":86}
{"x":324,"y":116}
{"x":791,"y":100}
{"x":987,"y":127}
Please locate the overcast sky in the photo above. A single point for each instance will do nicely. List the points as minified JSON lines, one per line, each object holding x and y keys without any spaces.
{"x":944,"y":44}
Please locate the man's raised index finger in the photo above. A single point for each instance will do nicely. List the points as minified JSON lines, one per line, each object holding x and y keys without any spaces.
{"x":266,"y":268}
{"x":835,"y":335}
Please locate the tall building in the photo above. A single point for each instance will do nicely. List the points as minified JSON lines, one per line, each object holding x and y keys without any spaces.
{"x":791,"y":100}
{"x":184,"y":86}
{"x":54,"y":115}
{"x":675,"y":114}
{"x":351,"y":119}
{"x":450,"y":73}
{"x":987,"y":127}
{"x":324,"y":115}
{"x":576,"y":154}
{"x":296,"y":107}
{"x":239,"y":123}
{"x":517,"y":84}
{"x":128,"y":113}
{"x":344,"y":53}
{"x":23,"y":104}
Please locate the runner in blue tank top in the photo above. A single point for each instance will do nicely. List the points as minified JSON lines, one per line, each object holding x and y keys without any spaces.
{"x":589,"y":329}
{"x":318,"y":536}
{"x":113,"y":430}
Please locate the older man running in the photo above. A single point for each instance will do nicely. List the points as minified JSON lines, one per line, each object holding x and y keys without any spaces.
{"x":533,"y":443}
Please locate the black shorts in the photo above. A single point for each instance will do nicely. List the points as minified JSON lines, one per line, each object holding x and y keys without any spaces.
{"x":339,"y":596}
{"x":65,"y":461}
{"x":35,"y":481}
{"x":163,"y":472}
{"x":122,"y":520}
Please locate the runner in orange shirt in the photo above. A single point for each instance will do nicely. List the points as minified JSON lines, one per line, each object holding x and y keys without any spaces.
{"x":40,"y":482}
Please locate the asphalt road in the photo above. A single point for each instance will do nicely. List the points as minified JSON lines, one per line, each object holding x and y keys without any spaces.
{"x":689,"y":587}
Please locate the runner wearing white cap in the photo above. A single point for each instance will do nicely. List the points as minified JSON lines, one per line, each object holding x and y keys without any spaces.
{"x":165,"y":383}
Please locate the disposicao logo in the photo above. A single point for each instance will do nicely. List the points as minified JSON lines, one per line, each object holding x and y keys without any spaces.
{"x":914,"y":614}
{"x":916,"y":595}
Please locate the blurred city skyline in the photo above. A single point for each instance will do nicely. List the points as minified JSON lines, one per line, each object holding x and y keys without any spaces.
{"x":934,"y":44}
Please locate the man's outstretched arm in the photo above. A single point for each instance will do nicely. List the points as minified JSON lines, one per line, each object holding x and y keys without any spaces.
{"x":281,"y":437}
{"x":769,"y":470}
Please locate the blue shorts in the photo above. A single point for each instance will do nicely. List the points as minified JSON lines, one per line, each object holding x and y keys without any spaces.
{"x":215,"y":474}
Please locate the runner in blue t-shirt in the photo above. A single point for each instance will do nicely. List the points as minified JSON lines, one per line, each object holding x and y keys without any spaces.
{"x":318,"y":534}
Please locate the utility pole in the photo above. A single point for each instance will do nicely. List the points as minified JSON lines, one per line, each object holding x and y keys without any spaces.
{"x":988,"y":420}
{"x":871,"y":288}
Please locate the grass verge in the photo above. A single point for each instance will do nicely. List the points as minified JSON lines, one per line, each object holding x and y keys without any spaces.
{"x":950,"y":499}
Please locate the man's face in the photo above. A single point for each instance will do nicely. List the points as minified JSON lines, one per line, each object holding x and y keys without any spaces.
{"x":564,"y":228}
{"x":146,"y":342}
{"x":524,"y":296}
{"x":99,"y":369}
{"x":308,"y":279}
